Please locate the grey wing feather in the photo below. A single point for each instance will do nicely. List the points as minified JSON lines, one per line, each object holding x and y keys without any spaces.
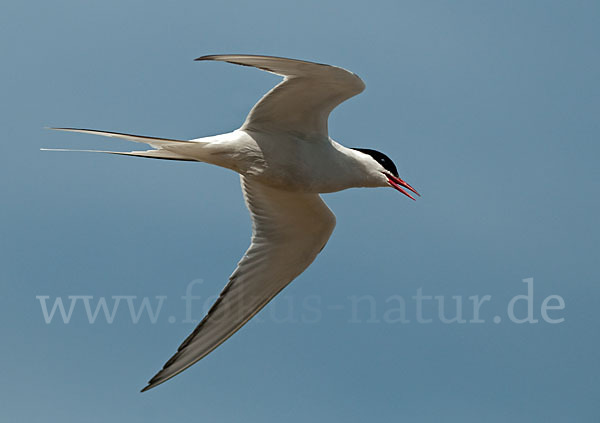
{"x":289,"y":230}
{"x":302,"y":102}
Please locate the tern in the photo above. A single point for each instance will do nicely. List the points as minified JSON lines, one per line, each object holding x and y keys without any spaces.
{"x":285,"y":159}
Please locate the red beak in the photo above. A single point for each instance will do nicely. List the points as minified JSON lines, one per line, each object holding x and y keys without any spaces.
{"x":398,"y":183}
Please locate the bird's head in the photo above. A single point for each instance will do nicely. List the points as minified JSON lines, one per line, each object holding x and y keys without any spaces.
{"x":383,"y":170}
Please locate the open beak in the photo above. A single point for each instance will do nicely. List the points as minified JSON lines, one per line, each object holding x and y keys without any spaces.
{"x":399,"y":184}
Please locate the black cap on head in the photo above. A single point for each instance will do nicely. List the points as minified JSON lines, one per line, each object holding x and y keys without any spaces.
{"x":382,"y":159}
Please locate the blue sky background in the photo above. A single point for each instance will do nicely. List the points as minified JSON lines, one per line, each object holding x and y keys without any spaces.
{"x":489,"y":108}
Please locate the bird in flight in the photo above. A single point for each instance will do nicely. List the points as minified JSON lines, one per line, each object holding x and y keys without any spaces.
{"x":285,"y":159}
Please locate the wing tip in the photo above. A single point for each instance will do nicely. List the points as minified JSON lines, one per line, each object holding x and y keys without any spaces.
{"x":54,"y":128}
{"x":206,"y":57}
{"x":227,"y":57}
{"x":223,"y":58}
{"x":147,"y":387}
{"x":156,"y":380}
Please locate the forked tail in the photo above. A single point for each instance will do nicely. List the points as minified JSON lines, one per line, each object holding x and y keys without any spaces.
{"x":160,"y":146}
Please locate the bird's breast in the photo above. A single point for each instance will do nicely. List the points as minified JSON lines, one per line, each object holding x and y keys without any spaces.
{"x":305,"y":167}
{"x":287,"y":162}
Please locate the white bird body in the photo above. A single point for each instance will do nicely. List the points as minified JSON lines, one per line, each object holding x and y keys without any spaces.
{"x":285,"y":158}
{"x":314,"y":167}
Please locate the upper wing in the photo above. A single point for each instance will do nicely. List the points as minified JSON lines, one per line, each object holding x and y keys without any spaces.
{"x":301,"y":103}
{"x":288,"y":231}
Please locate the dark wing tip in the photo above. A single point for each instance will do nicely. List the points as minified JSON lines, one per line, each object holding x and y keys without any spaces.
{"x":154,"y":382}
{"x":207,"y":57}
{"x":233,"y":56}
{"x":55,"y":128}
